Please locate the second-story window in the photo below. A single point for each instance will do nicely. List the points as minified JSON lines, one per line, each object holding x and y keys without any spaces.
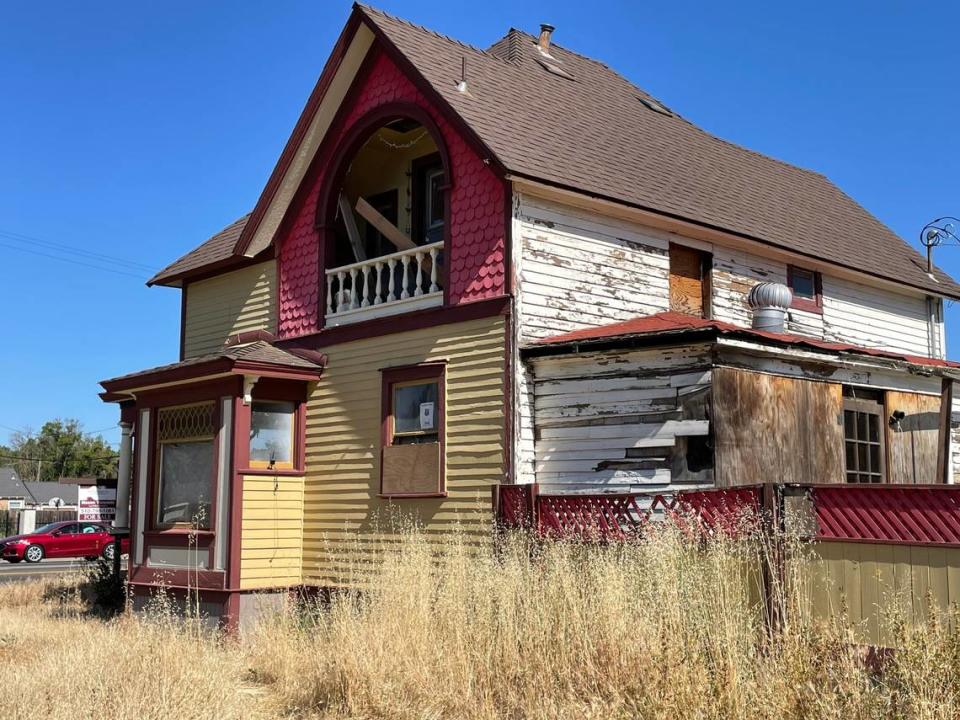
{"x":690,"y":280}
{"x":806,"y":287}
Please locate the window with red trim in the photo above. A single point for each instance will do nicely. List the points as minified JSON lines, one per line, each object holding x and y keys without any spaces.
{"x":806,"y":286}
{"x":412,"y":456}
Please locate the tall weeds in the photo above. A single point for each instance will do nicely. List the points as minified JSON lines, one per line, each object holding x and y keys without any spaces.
{"x":666,"y":627}
{"x":670,"y":626}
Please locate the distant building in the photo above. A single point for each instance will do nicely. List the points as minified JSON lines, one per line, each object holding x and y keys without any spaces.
{"x":34,"y":494}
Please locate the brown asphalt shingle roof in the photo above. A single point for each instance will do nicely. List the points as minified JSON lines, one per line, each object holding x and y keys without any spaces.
{"x":594,"y":135}
{"x":217,"y":249}
{"x":256,"y":352}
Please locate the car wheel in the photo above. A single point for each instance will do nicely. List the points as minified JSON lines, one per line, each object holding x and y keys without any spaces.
{"x":108,"y":551}
{"x":33,"y":554}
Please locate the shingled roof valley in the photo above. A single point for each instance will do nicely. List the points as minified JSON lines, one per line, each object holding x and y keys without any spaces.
{"x":596,"y":133}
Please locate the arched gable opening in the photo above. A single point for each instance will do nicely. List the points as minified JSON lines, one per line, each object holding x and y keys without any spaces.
{"x":384,"y":211}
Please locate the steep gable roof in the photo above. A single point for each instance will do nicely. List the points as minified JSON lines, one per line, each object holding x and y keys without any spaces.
{"x":594,"y":132}
{"x":216,"y":250}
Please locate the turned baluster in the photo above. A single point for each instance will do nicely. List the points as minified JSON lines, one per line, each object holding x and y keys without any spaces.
{"x":378,"y":268}
{"x":354,"y":301}
{"x":366,"y":286}
{"x":419,"y":259}
{"x":433,"y":271}
{"x":391,"y":268}
{"x":404,"y":292}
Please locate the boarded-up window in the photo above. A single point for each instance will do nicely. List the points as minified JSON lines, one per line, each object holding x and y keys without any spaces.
{"x":689,"y":281}
{"x":776,"y":429}
{"x":413,"y":438}
{"x":913,"y":437}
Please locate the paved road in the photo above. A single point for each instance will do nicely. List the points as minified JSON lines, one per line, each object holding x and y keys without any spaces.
{"x":10,"y":572}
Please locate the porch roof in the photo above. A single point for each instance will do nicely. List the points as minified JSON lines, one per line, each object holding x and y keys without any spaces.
{"x":255,"y":358}
{"x":664,"y":326}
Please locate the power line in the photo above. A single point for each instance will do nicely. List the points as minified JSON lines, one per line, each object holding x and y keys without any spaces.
{"x":75,"y":262}
{"x":62,"y":247}
{"x":55,"y":460}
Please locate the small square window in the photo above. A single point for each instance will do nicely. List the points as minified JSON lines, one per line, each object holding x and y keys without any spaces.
{"x":271,"y":434}
{"x":805,"y":286}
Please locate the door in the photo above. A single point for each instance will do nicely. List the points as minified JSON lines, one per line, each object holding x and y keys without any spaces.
{"x":63,"y":541}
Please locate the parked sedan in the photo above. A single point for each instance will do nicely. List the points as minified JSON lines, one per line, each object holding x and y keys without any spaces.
{"x":64,"y":539}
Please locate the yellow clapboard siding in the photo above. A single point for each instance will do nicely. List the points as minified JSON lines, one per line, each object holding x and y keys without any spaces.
{"x":271,"y":537}
{"x":881,"y":584}
{"x":344,"y":519}
{"x":230,"y":303}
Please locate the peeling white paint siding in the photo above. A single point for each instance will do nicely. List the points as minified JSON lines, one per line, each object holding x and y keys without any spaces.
{"x":878,"y":318}
{"x":955,"y":439}
{"x":735,"y":272}
{"x":580,"y":269}
{"x":609,"y":421}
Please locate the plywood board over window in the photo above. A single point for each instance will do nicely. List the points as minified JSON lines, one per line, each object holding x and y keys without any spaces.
{"x":689,"y":281}
{"x":776,"y":429}
{"x":912,"y":440}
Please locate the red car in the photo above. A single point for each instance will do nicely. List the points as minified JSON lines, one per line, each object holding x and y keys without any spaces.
{"x":69,"y":539}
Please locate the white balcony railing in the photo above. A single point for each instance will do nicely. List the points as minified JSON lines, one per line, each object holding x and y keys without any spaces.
{"x":385,"y":285}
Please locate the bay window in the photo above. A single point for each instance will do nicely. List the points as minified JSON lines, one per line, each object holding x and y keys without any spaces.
{"x":185,"y":459}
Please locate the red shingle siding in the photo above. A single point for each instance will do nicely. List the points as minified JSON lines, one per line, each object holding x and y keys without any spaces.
{"x":476,"y":262}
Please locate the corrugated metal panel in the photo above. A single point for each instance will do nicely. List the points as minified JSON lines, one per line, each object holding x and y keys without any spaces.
{"x":231,"y":303}
{"x":271,"y":542}
{"x":345,"y":519}
{"x":919,"y":515}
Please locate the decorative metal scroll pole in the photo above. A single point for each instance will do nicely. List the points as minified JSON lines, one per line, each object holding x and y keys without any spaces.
{"x":938,"y":232}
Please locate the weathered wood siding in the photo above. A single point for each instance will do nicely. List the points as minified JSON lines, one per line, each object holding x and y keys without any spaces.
{"x":581,"y":269}
{"x":227,"y":304}
{"x":769,"y":428}
{"x":618,"y":420}
{"x":912,"y":443}
{"x":875,"y":584}
{"x":578,"y":269}
{"x":852,"y":312}
{"x":271,"y":540}
{"x":344,"y":517}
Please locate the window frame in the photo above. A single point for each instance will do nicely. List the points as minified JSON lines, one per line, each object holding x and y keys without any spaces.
{"x":293,"y":464}
{"x":406,"y":375}
{"x":155,"y":524}
{"x":421,"y":169}
{"x":814,"y":304}
{"x":866,"y":406}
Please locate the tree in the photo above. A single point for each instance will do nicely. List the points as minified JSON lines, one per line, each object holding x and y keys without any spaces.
{"x":59,"y":450}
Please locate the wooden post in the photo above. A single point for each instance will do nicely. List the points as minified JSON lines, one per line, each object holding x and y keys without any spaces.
{"x":773,"y":570}
{"x":353,"y":233}
{"x":943,"y":440}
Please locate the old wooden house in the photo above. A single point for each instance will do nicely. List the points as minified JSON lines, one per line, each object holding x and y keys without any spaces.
{"x":509,"y":265}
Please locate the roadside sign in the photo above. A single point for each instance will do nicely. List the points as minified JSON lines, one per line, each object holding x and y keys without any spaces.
{"x":96,"y":503}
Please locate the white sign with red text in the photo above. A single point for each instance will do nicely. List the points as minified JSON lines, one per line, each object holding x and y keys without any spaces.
{"x":96,"y":503}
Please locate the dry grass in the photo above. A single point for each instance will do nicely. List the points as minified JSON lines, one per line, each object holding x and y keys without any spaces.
{"x":57,"y":662}
{"x":664,"y":628}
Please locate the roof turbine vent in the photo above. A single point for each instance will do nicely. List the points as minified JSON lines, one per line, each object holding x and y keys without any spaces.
{"x":543,"y":42}
{"x":769,"y":302}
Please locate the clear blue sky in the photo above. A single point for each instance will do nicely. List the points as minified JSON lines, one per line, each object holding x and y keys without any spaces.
{"x":136,"y":130}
